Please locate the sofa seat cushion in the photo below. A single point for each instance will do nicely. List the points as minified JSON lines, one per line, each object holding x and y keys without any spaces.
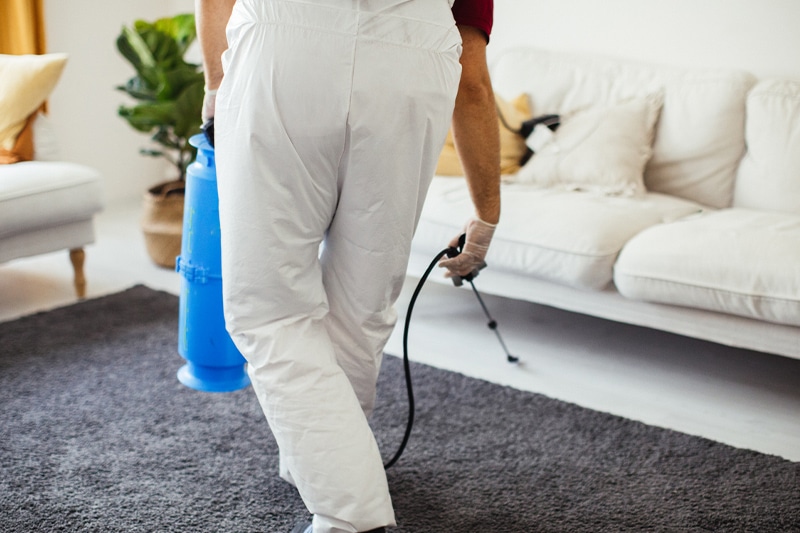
{"x":38,"y":194}
{"x":738,"y":261}
{"x":568,"y":237}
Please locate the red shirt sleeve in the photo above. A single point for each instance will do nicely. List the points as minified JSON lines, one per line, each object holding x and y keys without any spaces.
{"x":476,"y":13}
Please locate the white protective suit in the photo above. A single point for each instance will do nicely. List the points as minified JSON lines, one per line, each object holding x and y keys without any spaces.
{"x":329,"y":123}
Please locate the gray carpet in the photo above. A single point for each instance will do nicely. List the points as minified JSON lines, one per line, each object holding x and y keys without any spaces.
{"x":96,"y":434}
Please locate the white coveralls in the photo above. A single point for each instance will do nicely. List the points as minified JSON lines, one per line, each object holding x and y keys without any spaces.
{"x":329,"y":122}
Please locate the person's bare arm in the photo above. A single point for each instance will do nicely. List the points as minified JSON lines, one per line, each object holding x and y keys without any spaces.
{"x":211,"y":18}
{"x":477,"y":140}
{"x":475,"y":129}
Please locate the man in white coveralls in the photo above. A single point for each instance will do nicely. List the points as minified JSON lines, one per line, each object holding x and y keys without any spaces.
{"x":329,"y":122}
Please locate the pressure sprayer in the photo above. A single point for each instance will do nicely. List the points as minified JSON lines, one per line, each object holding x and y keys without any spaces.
{"x":213,"y":364}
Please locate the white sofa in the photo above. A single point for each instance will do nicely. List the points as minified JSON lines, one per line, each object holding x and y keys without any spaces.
{"x":48,"y":204}
{"x":709,"y":248}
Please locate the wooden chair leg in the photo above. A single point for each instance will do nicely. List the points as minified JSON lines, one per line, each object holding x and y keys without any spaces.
{"x":77,"y":257}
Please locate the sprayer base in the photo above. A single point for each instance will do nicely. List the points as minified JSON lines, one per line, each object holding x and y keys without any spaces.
{"x":213,"y":379}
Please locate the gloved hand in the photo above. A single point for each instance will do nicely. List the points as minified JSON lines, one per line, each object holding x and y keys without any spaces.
{"x":479,"y":236}
{"x":209,"y":104}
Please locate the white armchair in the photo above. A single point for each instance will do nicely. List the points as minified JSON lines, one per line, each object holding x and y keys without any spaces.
{"x":46,"y":204}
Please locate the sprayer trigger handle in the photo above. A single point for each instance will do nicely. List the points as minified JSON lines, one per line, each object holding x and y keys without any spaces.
{"x":474,"y":273}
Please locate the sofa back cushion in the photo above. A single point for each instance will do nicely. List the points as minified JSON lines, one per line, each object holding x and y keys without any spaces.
{"x":769,"y":176}
{"x":699,"y":138}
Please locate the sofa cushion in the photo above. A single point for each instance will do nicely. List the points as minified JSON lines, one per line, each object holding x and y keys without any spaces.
{"x":36,"y":194}
{"x":699,"y":137}
{"x":27,"y":82}
{"x":737,"y":261}
{"x":571,"y":238}
{"x":769,"y":176}
{"x":601,"y":149}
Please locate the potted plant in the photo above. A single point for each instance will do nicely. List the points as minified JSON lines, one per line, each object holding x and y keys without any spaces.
{"x":169,"y":94}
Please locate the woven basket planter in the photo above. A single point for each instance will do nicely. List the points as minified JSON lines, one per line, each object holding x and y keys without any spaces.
{"x":162,"y":222}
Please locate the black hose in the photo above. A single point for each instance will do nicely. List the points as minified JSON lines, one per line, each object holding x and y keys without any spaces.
{"x":406,"y":363}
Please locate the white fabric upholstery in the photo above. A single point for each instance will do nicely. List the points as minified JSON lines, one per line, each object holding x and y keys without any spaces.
{"x":729,"y":275}
{"x":739,"y":261}
{"x":571,"y":238}
{"x":39,"y":196}
{"x":700,"y":134}
{"x":769,"y":176}
{"x":45,"y":143}
{"x":64,"y":236}
{"x":729,"y":330}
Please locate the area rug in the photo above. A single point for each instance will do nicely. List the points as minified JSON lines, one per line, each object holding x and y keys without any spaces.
{"x":97,"y":435}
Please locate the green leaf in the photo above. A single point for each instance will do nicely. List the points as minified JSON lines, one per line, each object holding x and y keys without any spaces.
{"x":127,"y":51}
{"x":181,"y":28}
{"x":148,"y":116}
{"x":142,"y":53}
{"x":187,"y":110}
{"x":165,"y":50}
{"x":165,"y":137}
{"x":138,"y":88}
{"x":173,"y":82}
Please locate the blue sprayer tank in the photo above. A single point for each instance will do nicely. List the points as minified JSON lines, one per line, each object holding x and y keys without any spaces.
{"x":213,"y":363}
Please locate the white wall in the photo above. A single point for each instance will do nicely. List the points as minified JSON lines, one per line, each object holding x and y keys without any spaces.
{"x":83,"y":106}
{"x":757,"y":35}
{"x":761,"y":36}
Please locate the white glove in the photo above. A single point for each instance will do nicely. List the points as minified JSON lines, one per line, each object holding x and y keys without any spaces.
{"x":209,"y":104}
{"x":471,"y":259}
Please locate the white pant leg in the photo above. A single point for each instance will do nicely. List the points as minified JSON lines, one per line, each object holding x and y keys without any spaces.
{"x":285,"y":160}
{"x":399,"y":115}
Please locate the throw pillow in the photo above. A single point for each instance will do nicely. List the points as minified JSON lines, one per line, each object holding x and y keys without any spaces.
{"x":512,"y":146}
{"x":598,"y":149}
{"x":27,"y":82}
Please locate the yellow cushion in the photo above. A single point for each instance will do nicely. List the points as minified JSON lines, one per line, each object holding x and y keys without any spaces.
{"x":512,"y":146}
{"x":27,"y":82}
